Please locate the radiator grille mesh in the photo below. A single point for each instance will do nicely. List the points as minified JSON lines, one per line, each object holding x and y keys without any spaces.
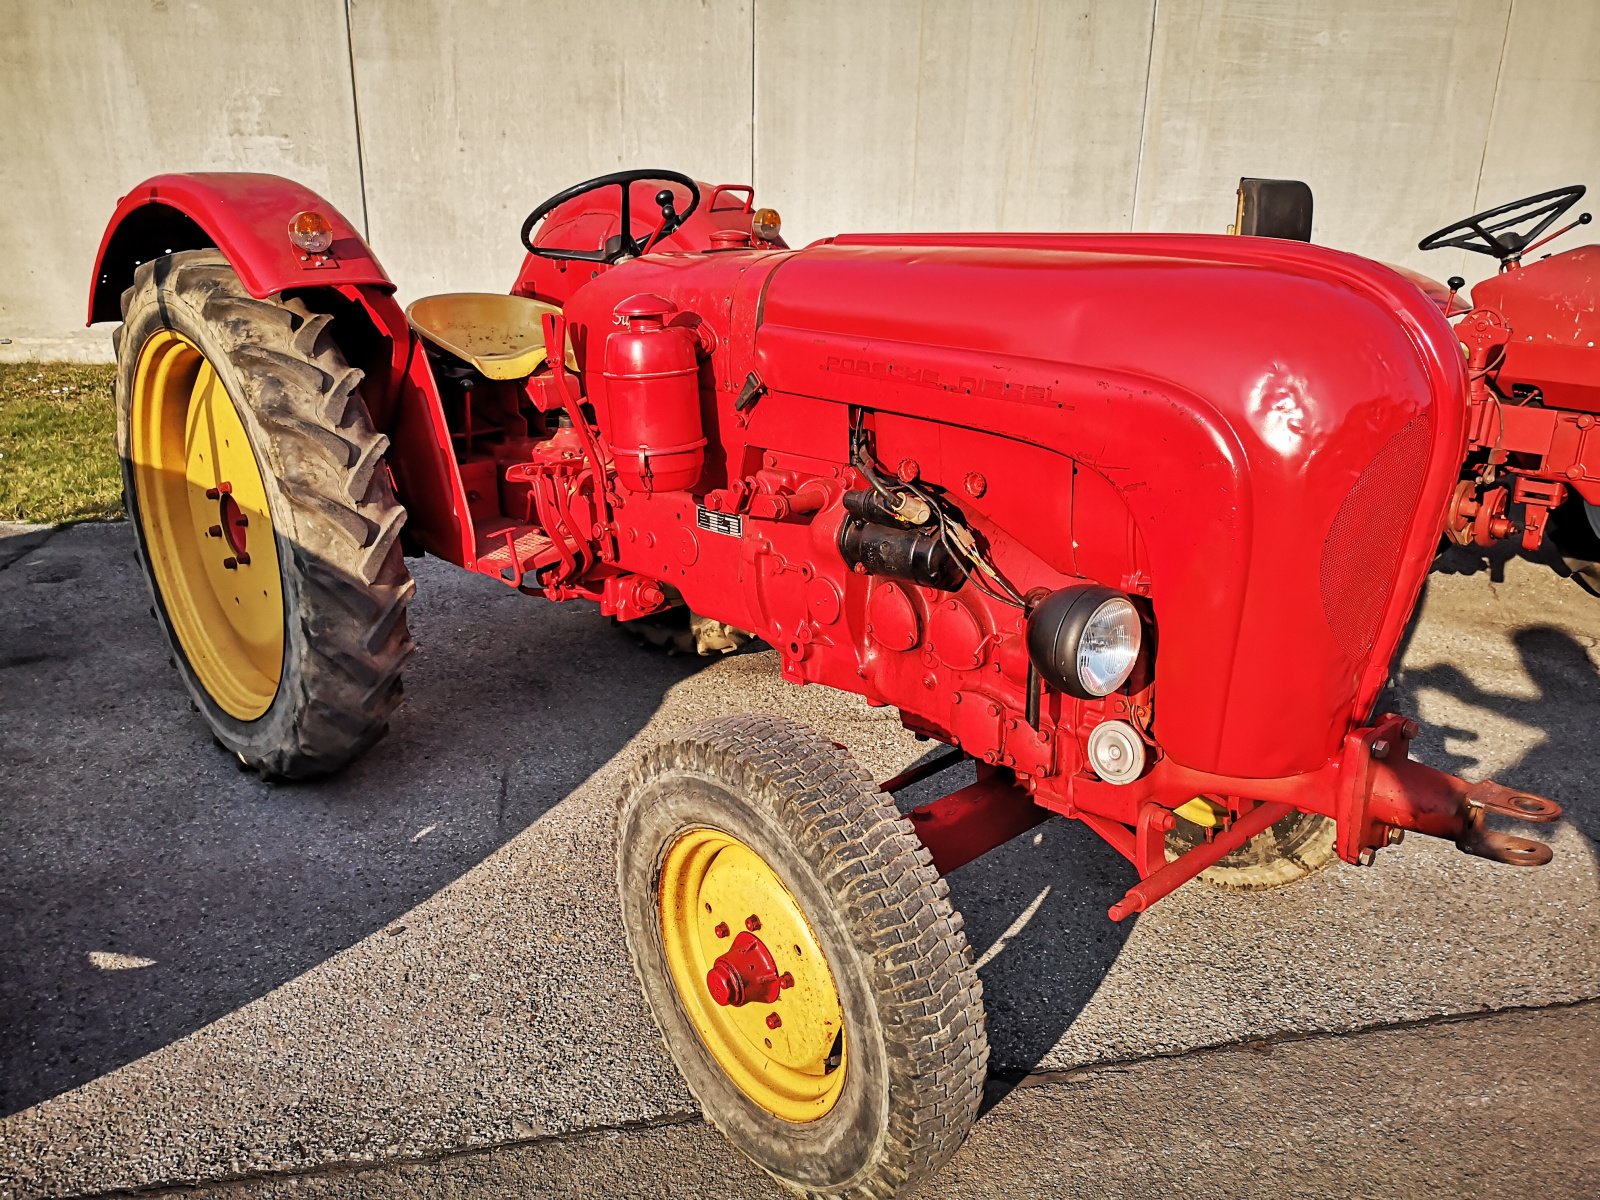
{"x":1367,"y":535}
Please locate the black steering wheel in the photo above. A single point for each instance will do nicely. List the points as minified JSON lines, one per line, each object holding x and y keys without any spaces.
{"x":1492,"y":232}
{"x":624,"y":244}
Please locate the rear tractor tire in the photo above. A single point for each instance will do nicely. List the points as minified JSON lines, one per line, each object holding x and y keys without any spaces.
{"x":266,"y":522}
{"x":801,"y":958}
{"x":1297,"y":846}
{"x":677,"y":631}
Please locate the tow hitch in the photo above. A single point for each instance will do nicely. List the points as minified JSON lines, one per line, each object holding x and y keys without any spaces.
{"x":1385,"y":792}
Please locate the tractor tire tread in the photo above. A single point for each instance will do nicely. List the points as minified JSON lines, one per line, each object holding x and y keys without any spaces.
{"x":896,"y":906}
{"x":354,"y":587}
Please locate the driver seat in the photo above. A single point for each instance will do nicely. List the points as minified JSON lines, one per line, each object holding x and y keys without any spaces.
{"x":502,"y":336}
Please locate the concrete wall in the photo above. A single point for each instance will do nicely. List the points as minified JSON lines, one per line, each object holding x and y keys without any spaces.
{"x":440,"y":122}
{"x":473,"y":111}
{"x":96,"y":95}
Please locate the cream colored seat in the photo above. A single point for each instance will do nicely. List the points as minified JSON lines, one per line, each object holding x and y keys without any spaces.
{"x":502,"y":336}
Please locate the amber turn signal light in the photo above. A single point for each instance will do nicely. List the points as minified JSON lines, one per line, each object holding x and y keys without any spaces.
{"x":310,"y":231}
{"x":765,"y":223}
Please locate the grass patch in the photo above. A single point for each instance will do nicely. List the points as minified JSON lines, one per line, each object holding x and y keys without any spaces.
{"x":58,"y":450}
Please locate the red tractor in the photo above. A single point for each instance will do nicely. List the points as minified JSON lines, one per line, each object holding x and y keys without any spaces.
{"x":1047,"y":495}
{"x":1532,"y":338}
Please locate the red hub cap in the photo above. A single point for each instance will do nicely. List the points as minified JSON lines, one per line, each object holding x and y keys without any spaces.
{"x":744,"y":974}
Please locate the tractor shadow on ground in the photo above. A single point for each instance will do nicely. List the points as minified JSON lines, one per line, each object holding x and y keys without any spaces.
{"x":1563,"y":705}
{"x":1475,"y":560}
{"x":152,"y":886}
{"x":1035,"y":916}
{"x":1562,"y":702}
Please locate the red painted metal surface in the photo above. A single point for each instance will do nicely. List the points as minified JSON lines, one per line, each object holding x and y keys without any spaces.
{"x":1257,"y":441}
{"x":1533,"y":344}
{"x":971,"y":821}
{"x":245,"y":216}
{"x":652,"y":374}
{"x":743,"y":974}
{"x":1551,"y":308}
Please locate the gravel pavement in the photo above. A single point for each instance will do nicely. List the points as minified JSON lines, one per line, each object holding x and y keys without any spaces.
{"x":207,"y":977}
{"x":1481,"y":1107}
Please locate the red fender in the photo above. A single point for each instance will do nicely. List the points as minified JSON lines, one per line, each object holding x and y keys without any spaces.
{"x":246,"y":216}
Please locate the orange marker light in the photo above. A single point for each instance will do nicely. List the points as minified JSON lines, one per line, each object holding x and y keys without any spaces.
{"x":765,"y":224}
{"x":311,"y":232}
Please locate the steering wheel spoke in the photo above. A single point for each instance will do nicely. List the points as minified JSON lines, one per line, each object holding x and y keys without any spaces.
{"x":624,"y":244}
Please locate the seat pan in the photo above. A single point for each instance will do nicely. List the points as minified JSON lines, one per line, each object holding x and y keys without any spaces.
{"x":502,"y":336}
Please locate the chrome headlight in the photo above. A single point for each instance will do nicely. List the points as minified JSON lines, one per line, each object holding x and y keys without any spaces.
{"x":1085,"y":640}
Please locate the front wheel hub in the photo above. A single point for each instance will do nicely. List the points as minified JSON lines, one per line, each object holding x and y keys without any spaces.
{"x":746,"y":974}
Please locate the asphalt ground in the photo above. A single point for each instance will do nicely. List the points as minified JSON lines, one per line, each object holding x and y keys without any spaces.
{"x":415,"y":971}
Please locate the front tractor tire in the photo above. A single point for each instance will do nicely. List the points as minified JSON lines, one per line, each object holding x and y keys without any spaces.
{"x":265,"y":519}
{"x":801,"y":958}
{"x":1296,"y":847}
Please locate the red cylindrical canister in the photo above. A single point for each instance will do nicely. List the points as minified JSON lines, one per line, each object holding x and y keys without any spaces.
{"x":652,"y":378}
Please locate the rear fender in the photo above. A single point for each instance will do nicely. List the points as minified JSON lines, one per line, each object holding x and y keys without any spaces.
{"x":246,"y":216}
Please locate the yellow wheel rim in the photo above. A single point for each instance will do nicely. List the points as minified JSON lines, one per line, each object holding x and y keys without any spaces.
{"x":786,"y":1053}
{"x":203,"y":511}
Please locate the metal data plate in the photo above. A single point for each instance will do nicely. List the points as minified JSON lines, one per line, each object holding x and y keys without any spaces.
{"x":728,"y":524}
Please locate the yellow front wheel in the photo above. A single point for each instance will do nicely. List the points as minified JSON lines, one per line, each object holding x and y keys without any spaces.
{"x":264,"y":515}
{"x":801,"y":957}
{"x":751,"y":975}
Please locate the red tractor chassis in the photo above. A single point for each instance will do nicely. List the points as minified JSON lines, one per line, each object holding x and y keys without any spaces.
{"x":1256,"y":442}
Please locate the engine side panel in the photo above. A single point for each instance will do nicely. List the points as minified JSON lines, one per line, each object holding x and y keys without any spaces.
{"x":1289,"y":495}
{"x":1278,"y":508}
{"x":1553,"y":308}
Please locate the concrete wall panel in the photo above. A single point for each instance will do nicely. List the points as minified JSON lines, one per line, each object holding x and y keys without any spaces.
{"x":99,"y":94}
{"x":941,"y":114}
{"x":1546,"y":127}
{"x":1382,"y":108}
{"x":445,"y":122}
{"x":473,"y":111}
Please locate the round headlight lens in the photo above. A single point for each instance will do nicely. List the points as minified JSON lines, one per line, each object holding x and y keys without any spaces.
{"x":1109,"y":646}
{"x":1084,"y":639}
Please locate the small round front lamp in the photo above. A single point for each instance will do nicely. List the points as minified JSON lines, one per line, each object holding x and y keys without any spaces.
{"x":311,"y":232}
{"x":1116,"y":752}
{"x":765,"y":224}
{"x":1085,"y":640}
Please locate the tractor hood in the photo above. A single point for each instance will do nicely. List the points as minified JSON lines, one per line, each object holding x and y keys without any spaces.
{"x":1283,"y":423}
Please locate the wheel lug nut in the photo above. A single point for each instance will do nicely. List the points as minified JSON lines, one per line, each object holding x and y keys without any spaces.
{"x":786,"y":980}
{"x":230,"y":564}
{"x":752,"y":922}
{"x":722,"y":929}
{"x":214,"y":531}
{"x":773,"y":1020}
